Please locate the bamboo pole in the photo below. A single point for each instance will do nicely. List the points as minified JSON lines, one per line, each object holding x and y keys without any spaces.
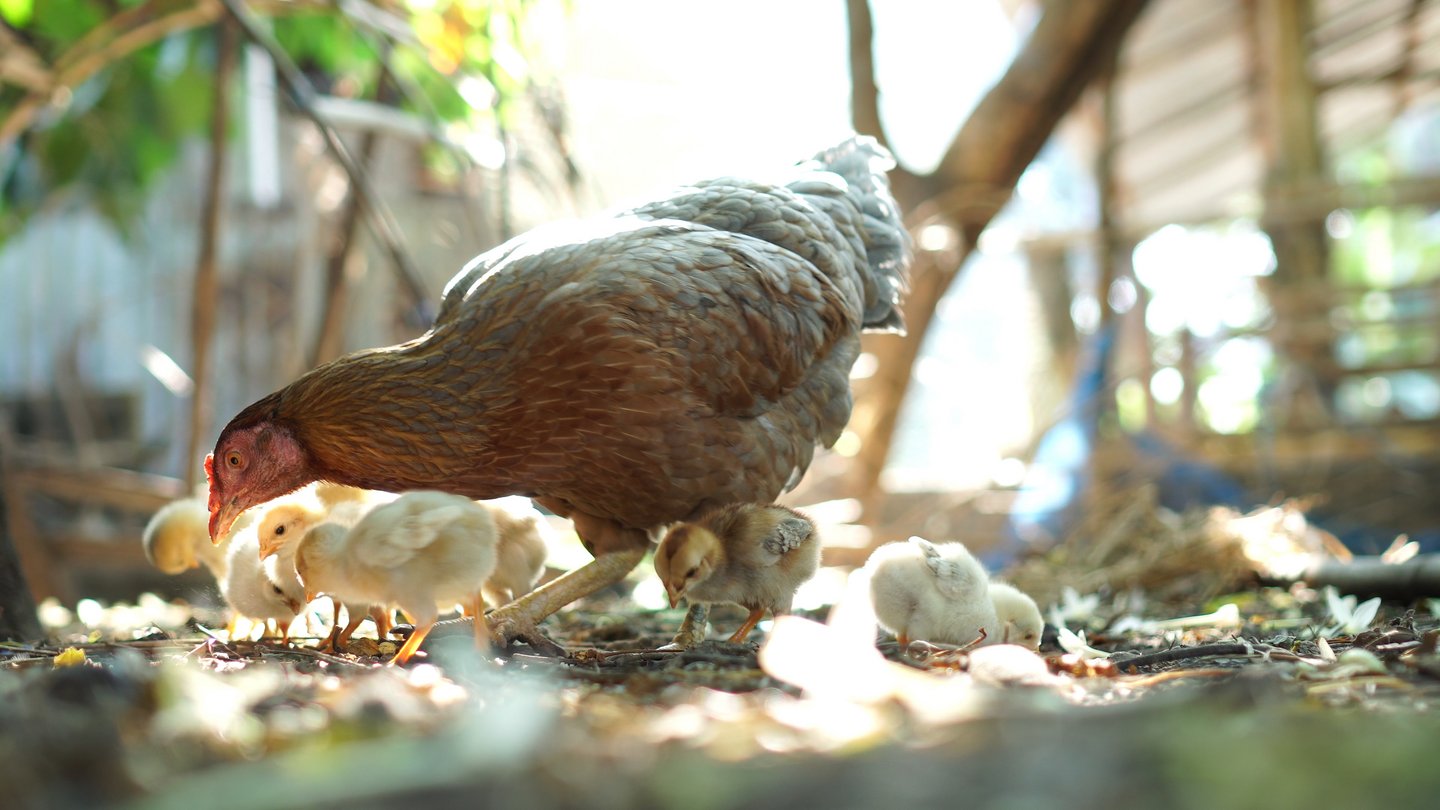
{"x":382,"y":221}
{"x":207,"y":283}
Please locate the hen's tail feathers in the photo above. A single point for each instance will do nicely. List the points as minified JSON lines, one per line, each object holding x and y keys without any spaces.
{"x":862,"y":163}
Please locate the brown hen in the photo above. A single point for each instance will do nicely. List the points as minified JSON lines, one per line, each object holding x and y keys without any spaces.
{"x":627,"y":371}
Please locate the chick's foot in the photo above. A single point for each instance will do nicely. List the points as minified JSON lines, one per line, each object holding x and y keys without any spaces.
{"x":692,"y":628}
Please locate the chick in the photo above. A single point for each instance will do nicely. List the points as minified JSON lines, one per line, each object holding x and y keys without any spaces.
{"x":177,"y":538}
{"x":280,"y":529}
{"x":753,"y":555}
{"x":249,"y":592}
{"x":423,"y":549}
{"x":1019,"y":616}
{"x":936,"y":592}
{"x":520,"y":550}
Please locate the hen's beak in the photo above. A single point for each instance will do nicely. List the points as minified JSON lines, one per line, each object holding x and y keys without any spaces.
{"x":222,"y":519}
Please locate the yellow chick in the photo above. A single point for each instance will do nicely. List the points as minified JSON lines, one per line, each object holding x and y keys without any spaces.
{"x":935,"y":592}
{"x":753,"y":555}
{"x":177,"y":538}
{"x":250,"y":592}
{"x":1019,"y":616}
{"x":280,"y":529}
{"x":520,"y":550}
{"x":423,"y":549}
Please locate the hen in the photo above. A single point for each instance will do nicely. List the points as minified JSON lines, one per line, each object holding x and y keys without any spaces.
{"x":626,"y":372}
{"x":751,"y":555}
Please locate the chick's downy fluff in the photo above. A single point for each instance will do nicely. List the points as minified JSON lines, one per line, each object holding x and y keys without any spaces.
{"x":176,"y":539}
{"x":628,"y":371}
{"x":752,"y":555}
{"x":249,"y":590}
{"x":1018,"y":615}
{"x":937,"y":592}
{"x":520,"y":549}
{"x":423,"y":549}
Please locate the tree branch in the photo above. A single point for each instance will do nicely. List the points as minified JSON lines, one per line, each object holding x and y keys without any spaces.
{"x":864,"y":91}
{"x":382,"y":222}
{"x":207,"y":284}
{"x":86,"y":58}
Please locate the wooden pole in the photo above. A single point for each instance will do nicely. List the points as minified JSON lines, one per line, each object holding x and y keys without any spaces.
{"x":207,"y":283}
{"x":1295,"y":159}
{"x":974,"y":180}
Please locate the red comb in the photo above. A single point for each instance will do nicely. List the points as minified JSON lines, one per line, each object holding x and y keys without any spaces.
{"x":214,"y":502}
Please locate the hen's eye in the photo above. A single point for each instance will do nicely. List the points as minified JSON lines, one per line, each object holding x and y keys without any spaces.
{"x":233,"y":459}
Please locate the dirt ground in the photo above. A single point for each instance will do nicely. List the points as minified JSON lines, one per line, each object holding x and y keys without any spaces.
{"x":1275,"y":696}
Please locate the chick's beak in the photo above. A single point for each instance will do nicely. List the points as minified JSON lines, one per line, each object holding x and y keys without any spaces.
{"x":674,"y":594}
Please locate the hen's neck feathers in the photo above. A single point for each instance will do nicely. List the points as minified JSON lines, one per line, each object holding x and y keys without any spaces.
{"x":396,"y":418}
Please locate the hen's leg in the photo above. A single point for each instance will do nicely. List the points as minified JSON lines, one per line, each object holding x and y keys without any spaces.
{"x":750,"y":622}
{"x":617,"y":550}
{"x":520,"y":619}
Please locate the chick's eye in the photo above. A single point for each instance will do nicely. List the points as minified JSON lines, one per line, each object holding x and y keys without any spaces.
{"x":692,"y":572}
{"x":276,"y":589}
{"x":279,"y":530}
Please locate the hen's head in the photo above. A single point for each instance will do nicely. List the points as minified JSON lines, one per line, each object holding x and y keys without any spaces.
{"x":685,"y":558}
{"x":251,"y":465}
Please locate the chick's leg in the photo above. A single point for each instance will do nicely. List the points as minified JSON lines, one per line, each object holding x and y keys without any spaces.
{"x":750,"y":622}
{"x":692,"y":628}
{"x":412,"y":644}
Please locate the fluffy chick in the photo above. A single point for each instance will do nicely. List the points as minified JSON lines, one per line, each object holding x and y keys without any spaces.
{"x":280,"y":529}
{"x":1019,"y":616}
{"x":753,"y":555}
{"x":520,"y":549}
{"x":177,"y":538}
{"x":423,"y":549}
{"x":250,"y":592}
{"x":936,"y":592}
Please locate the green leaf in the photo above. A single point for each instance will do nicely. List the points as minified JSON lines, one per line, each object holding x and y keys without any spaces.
{"x":17,"y":12}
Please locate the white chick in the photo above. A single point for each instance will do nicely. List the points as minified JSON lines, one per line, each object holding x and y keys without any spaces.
{"x":280,"y":529}
{"x":177,"y":538}
{"x":520,"y":549}
{"x":935,"y":592}
{"x":421,"y":550}
{"x":249,"y":592}
{"x":753,"y":555}
{"x":1019,"y":616}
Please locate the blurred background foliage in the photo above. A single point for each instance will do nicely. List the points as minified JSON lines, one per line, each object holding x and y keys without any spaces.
{"x":458,"y":63}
